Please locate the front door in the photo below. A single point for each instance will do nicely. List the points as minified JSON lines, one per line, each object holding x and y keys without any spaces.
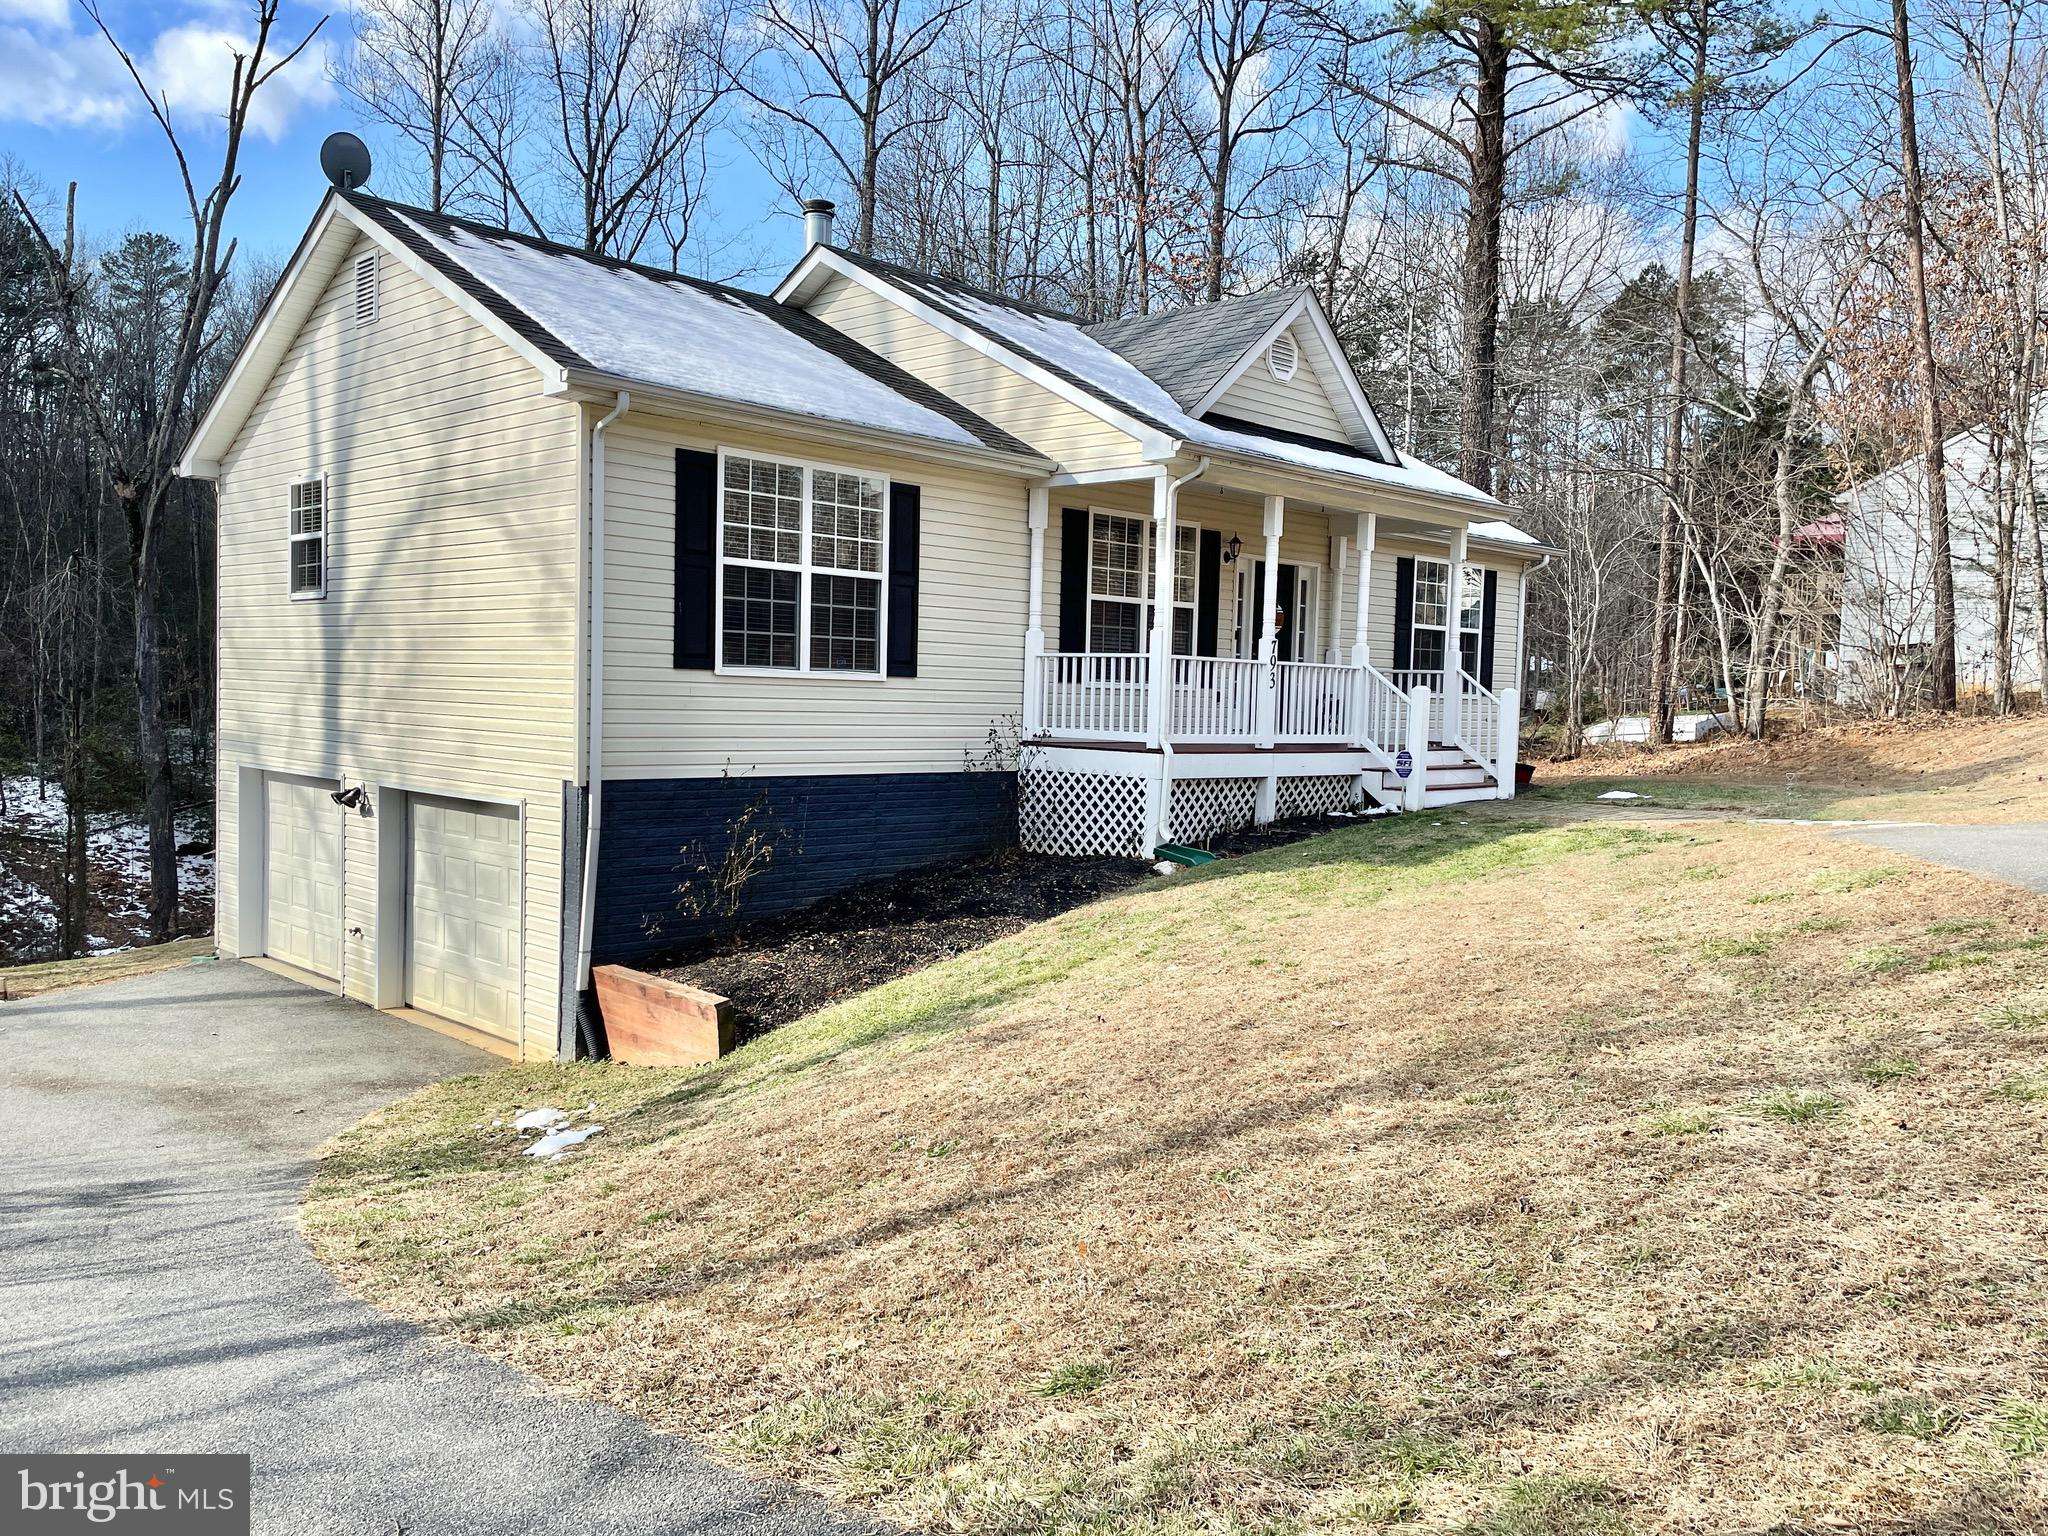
{"x":1287,"y":631}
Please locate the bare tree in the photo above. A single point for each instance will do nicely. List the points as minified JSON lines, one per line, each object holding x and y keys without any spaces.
{"x":141,"y":457}
{"x":421,"y":68}
{"x":843,"y":80}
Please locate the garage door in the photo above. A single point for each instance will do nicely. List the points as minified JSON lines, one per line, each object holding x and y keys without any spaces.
{"x":464,"y":919}
{"x":302,"y":874}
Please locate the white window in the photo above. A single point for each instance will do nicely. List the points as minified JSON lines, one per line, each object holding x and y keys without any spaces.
{"x":1121,"y":583}
{"x":306,"y":538}
{"x":801,"y":551}
{"x":366,"y":295}
{"x":1432,"y":602}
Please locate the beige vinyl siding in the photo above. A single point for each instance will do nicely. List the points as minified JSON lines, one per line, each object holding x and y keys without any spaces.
{"x":1304,"y":540}
{"x":661,"y":722}
{"x":1300,"y":404}
{"x":443,"y":656}
{"x":1073,"y":438}
{"x":1506,"y":612}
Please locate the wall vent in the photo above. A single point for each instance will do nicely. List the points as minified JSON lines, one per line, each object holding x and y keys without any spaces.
{"x":366,"y":289}
{"x":1283,"y":357}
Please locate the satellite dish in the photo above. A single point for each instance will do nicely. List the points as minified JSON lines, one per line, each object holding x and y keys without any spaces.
{"x":346,"y":160}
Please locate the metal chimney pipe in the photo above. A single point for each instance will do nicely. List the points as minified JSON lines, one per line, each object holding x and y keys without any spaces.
{"x":818,"y":213}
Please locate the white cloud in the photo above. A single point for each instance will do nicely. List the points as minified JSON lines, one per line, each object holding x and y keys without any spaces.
{"x":65,"y":82}
{"x":193,"y":66}
{"x":49,"y":13}
{"x":73,"y":80}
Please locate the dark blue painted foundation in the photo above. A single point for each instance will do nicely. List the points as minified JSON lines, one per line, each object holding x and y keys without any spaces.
{"x":837,"y":831}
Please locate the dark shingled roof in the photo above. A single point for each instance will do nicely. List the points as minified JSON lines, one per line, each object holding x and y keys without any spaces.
{"x":800,"y":323}
{"x":1186,"y":351}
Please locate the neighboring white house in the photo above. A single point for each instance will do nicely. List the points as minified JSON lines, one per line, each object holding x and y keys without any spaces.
{"x":1887,"y":626}
{"x":537,"y":569}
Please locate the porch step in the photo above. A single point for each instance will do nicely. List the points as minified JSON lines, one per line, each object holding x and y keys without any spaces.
{"x":1434,"y":797}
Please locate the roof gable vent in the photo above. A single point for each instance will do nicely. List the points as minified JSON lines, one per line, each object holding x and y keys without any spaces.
{"x":366,"y":289}
{"x":1283,"y":357}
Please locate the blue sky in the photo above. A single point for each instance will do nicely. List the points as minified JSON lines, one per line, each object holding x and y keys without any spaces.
{"x":68,"y":112}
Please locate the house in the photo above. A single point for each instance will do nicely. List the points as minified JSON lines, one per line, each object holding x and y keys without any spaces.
{"x":1886,"y":632}
{"x":539,"y":572}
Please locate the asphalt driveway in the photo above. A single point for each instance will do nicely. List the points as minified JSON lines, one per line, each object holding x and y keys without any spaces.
{"x":155,"y":1297}
{"x":2016,"y":853}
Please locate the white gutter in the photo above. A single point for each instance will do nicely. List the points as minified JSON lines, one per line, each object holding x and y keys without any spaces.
{"x":593,"y":756}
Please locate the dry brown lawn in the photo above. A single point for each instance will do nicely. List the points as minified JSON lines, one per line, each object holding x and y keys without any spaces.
{"x":1444,"y":1174}
{"x":1926,"y":768}
{"x":54,"y":975}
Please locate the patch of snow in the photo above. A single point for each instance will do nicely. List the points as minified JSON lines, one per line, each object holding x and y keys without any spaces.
{"x":679,"y":335}
{"x":1619,"y":794}
{"x":542,"y":1119}
{"x":555,"y":1143}
{"x":115,"y":844}
{"x":1166,"y":867}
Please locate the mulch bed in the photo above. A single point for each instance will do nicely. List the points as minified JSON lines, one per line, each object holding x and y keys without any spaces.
{"x":783,"y":967}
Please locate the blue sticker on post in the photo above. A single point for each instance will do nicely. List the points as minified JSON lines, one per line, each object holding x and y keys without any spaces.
{"x":161,"y":1495}
{"x":1404,"y":764}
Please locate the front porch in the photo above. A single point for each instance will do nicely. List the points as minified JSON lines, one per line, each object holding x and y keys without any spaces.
{"x":1129,"y":748}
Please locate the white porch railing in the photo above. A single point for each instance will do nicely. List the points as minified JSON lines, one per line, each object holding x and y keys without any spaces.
{"x":1313,"y":703}
{"x":1382,"y":712}
{"x":1215,"y":698}
{"x":1408,"y":679}
{"x":1479,"y":721}
{"x":1093,"y":697}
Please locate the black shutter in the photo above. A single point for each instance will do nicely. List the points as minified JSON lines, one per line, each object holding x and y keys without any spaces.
{"x":1492,"y":590}
{"x":906,"y":508}
{"x":1404,"y":611}
{"x":696,"y":567}
{"x":1073,"y":579}
{"x":1208,"y":587}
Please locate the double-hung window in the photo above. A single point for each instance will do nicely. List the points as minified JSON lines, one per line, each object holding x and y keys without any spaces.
{"x":306,"y":538}
{"x":801,"y":556}
{"x":1122,"y":588}
{"x":1432,"y":608}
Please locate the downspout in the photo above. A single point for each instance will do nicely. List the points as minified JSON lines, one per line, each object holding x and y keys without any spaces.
{"x":593,"y":755}
{"x":1522,"y":629}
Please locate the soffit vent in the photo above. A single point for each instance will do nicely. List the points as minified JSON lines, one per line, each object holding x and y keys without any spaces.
{"x":366,"y":288}
{"x":1283,"y":356}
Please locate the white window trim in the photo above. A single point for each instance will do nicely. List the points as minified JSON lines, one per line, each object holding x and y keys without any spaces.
{"x":804,"y":572}
{"x":1150,"y":565}
{"x":292,"y":540}
{"x":1474,"y":580}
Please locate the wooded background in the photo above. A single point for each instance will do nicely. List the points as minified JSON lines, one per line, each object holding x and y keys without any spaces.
{"x":1666,"y":276}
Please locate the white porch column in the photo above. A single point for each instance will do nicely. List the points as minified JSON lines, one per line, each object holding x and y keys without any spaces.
{"x":1269,"y":652}
{"x":1510,"y":741}
{"x":1368,"y":534}
{"x":1034,"y":633}
{"x":1454,"y":654}
{"x":1159,"y":698}
{"x":1340,"y":567}
{"x":1418,"y":748}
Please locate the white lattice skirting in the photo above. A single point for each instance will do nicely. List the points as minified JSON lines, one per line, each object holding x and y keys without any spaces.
{"x":1075,"y":814}
{"x":1313,"y":797}
{"x":1202,"y":808}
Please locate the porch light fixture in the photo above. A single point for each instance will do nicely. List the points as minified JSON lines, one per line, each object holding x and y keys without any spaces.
{"x":1232,"y":550}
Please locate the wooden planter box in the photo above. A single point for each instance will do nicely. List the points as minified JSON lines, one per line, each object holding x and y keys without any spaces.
{"x":650,"y":1021}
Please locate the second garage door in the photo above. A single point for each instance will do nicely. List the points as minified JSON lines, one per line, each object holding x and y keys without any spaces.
{"x":302,"y":874}
{"x":464,"y":918}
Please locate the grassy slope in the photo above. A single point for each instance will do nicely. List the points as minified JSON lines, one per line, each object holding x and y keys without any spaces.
{"x":1925,"y":769}
{"x":54,"y":975}
{"x":1442,"y":1173}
